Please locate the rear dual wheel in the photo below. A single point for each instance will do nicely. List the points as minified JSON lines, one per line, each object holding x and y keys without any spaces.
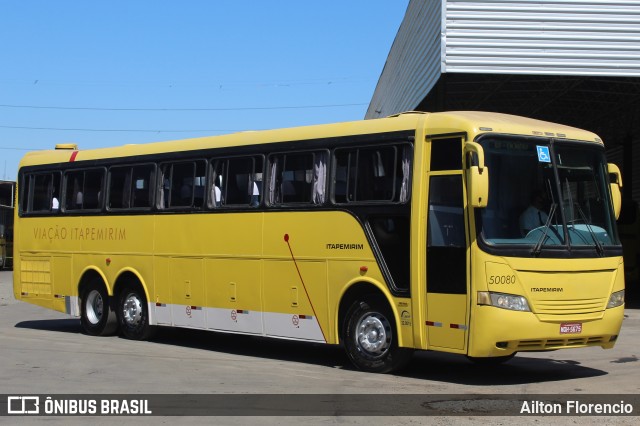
{"x":96,"y":314}
{"x":133,"y":313}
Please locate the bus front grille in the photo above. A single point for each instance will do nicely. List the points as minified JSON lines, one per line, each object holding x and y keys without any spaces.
{"x":569,"y":342}
{"x":569,"y":307}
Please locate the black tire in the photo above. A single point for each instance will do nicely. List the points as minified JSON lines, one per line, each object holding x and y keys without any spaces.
{"x":370,"y":338}
{"x":491,"y":361}
{"x":97,"y":316}
{"x":133,"y":313}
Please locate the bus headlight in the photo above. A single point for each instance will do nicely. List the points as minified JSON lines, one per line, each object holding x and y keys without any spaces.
{"x":504,"y":301}
{"x":616,"y":299}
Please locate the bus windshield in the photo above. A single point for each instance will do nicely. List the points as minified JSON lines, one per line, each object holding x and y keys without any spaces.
{"x":546,"y":194}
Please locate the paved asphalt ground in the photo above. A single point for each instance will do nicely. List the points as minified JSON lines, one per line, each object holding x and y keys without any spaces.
{"x":44,"y":352}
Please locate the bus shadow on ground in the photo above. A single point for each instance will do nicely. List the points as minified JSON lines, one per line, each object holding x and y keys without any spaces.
{"x":255,"y":346}
{"x":522,"y":369}
{"x":428,"y":366}
{"x":68,"y":325}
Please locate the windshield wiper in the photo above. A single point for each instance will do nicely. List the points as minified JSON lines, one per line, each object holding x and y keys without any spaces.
{"x":598,"y":244}
{"x":538,"y":247}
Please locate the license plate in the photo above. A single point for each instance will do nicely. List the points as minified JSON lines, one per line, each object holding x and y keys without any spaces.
{"x":571,"y":328}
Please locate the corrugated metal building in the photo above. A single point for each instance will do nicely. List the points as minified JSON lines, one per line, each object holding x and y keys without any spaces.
{"x":576,"y":62}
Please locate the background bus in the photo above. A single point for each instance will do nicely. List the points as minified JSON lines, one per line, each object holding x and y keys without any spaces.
{"x":384,"y":235}
{"x":7,"y":191}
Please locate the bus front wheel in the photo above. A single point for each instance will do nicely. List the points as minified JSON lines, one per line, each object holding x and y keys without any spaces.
{"x":96,"y":315}
{"x":133,"y":314}
{"x":370,"y":338}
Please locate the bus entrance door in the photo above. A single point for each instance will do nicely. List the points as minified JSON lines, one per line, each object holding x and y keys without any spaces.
{"x":447,"y":297}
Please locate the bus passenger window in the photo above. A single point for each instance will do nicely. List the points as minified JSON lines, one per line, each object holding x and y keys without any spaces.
{"x":130,"y":186}
{"x":298,"y":178}
{"x":93,"y":182}
{"x":119,"y":187}
{"x":82,"y":189}
{"x":44,"y":192}
{"x":182,"y":184}
{"x":372,"y":174}
{"x":74,"y":181}
{"x":142,"y":190}
{"x":199,"y":184}
{"x":236,"y":182}
{"x":216,"y":177}
{"x":239,"y":186}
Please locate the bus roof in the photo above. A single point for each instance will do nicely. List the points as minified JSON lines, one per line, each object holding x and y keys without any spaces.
{"x":471,"y":122}
{"x":478,"y":122}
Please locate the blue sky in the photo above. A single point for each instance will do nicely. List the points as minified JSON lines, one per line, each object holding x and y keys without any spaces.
{"x":123,"y":71}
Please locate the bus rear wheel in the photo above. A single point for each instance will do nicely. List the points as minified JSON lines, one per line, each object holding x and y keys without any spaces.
{"x":491,"y":361}
{"x":133,"y":314}
{"x":370,"y":338}
{"x":96,"y":315}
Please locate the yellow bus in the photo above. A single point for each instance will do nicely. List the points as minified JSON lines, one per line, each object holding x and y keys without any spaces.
{"x":384,"y":236}
{"x":7,"y":191}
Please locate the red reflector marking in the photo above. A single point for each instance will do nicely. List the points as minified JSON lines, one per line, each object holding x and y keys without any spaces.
{"x":305,"y":316}
{"x":74,"y":154}
{"x":458,"y":326}
{"x":434,"y":324}
{"x":161,"y":305}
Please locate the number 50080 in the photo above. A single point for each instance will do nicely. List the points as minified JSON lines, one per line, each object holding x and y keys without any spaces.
{"x":502,"y":279}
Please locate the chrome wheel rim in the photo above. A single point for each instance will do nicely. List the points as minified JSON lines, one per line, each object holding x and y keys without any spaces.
{"x":373,"y":334}
{"x":132,"y":310}
{"x":94,"y":307}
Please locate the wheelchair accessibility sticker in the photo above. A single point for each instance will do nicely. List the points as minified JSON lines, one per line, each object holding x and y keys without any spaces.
{"x":543,"y":154}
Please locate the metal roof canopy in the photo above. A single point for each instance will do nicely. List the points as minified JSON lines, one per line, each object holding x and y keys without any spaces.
{"x":574,"y":62}
{"x":608,"y":106}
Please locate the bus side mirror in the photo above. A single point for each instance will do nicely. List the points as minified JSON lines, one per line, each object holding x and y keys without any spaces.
{"x":478,"y":186}
{"x":477,"y":176}
{"x":615,"y":184}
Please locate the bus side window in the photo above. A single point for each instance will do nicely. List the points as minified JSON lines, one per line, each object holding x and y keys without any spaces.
{"x":372,"y":174}
{"x":119,"y":187}
{"x":237,"y":190}
{"x":199,"y":184}
{"x":93,"y":189}
{"x":298,"y":177}
{"x":82,"y":189}
{"x":236,"y":182}
{"x":73,"y":184}
{"x":44,"y":192}
{"x":177,"y":184}
{"x":216,"y":177}
{"x":142,"y":191}
{"x":130,"y":186}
